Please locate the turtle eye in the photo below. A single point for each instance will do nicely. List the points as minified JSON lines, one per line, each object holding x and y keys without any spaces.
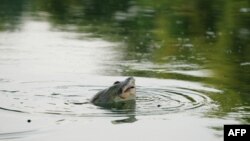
{"x":116,"y":82}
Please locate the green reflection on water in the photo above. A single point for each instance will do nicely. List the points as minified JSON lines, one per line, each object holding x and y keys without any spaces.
{"x":189,"y":35}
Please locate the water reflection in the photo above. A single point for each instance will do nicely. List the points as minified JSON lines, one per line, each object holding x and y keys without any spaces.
{"x":11,"y":14}
{"x":196,"y":41}
{"x":130,"y":119}
{"x":42,"y":51}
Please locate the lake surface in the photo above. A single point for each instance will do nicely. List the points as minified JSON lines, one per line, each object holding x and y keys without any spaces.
{"x":190,"y":60}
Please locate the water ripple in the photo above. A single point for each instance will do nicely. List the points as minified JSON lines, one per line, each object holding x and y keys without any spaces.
{"x":73,"y":100}
{"x":15,"y":135}
{"x":153,"y":101}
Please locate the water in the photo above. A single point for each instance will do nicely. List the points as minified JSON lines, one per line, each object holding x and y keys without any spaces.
{"x":190,"y":61}
{"x":71,"y":98}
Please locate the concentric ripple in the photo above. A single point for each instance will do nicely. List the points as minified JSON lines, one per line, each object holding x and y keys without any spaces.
{"x":151,"y":101}
{"x":69,"y":99}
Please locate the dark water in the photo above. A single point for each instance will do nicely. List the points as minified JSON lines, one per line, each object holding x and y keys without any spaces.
{"x":190,"y":60}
